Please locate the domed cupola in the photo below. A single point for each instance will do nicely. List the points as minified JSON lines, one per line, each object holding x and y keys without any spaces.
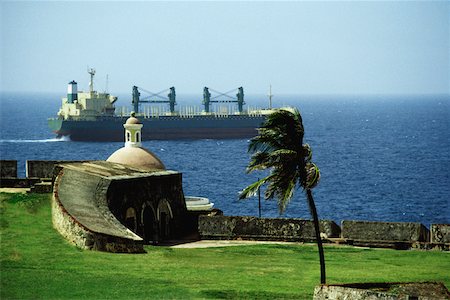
{"x":132,"y":154}
{"x":133,"y":131}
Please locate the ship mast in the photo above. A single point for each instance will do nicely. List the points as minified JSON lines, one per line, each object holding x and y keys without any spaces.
{"x":91,"y":71}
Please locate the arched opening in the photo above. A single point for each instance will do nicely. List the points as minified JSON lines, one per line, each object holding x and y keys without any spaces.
{"x":148,"y":225}
{"x":130,"y":219}
{"x":164,"y":226}
{"x":128,"y":136}
{"x":138,"y":137}
{"x":165,"y":217}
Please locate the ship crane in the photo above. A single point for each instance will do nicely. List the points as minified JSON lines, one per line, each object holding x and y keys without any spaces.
{"x":136,"y":100}
{"x":207,"y":99}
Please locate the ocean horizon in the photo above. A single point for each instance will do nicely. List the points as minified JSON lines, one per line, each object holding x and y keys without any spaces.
{"x":382,"y":158}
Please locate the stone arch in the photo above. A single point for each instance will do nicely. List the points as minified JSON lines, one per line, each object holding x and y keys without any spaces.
{"x":165,"y":217}
{"x":131,"y":219}
{"x":149,"y":223}
{"x":127,"y":136}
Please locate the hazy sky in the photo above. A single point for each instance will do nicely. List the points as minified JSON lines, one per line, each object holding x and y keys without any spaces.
{"x":298,"y":47}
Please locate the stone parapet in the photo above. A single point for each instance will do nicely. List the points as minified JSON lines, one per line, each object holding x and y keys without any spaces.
{"x":80,"y":214}
{"x":385,"y":291}
{"x":117,"y":208}
{"x":440,"y":233}
{"x":233,"y":227}
{"x":83,"y":238}
{"x":384,"y":231}
{"x":43,"y":168}
{"x":8,"y":168}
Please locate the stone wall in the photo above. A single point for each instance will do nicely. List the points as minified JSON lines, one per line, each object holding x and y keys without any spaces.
{"x":42,"y":168}
{"x":383,"y":290}
{"x":440,"y":233}
{"x":384,"y":231}
{"x":361,"y":233}
{"x":8,"y":168}
{"x":81,"y":237}
{"x":71,"y":227}
{"x":225,"y":227}
{"x":107,"y":206}
{"x":155,"y":197}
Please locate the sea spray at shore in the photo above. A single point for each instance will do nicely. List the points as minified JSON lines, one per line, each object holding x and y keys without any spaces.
{"x":60,"y":139}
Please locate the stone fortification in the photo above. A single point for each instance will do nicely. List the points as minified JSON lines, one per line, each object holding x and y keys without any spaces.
{"x":39,"y":174}
{"x":359,"y":233}
{"x":8,"y":168}
{"x":384,"y":231}
{"x":43,"y":168}
{"x":440,"y":233}
{"x":112,"y":207}
{"x":82,"y":237}
{"x":80,"y":213}
{"x":386,"y":291}
{"x":225,"y":227}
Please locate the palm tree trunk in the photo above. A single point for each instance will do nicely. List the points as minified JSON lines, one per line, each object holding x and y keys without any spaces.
{"x":312,"y":208}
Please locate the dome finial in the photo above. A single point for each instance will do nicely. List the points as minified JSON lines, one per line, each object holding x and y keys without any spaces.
{"x":132,"y":153}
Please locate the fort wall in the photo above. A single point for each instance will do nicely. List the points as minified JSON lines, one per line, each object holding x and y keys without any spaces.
{"x":84,"y":222}
{"x":253,"y":228}
{"x":397,"y":235}
{"x":8,"y":168}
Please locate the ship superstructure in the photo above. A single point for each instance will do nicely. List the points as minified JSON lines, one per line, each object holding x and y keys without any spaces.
{"x":90,"y":116}
{"x":86,"y":105}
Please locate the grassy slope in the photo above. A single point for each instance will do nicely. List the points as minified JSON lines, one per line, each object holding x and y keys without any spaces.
{"x":36,"y":262}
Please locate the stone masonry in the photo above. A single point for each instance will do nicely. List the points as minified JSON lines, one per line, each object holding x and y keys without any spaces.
{"x":384,"y":231}
{"x":440,"y":233}
{"x":225,"y":227}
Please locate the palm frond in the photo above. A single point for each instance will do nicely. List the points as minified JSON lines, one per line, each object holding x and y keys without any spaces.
{"x":282,"y":129}
{"x":279,"y":147}
{"x":253,"y":188}
{"x":266,"y":160}
{"x":285,"y":196}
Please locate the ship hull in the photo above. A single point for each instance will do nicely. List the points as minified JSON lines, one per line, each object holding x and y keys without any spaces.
{"x":161,"y":128}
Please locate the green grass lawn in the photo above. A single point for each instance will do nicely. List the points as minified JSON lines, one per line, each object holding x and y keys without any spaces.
{"x":37,"y":263}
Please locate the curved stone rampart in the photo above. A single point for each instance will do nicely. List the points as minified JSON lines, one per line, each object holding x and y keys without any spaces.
{"x":81,"y":214}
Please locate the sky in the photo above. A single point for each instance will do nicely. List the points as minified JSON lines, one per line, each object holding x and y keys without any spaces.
{"x":297,"y":47}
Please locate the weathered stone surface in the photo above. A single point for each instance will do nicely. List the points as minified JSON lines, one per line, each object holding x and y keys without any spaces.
{"x":112,"y":207}
{"x":430,"y":246}
{"x":384,"y":231}
{"x":42,"y":168}
{"x":440,"y":233}
{"x":83,"y":220}
{"x":8,"y":168}
{"x":232,"y":227}
{"x":385,"y":291}
{"x":83,"y":238}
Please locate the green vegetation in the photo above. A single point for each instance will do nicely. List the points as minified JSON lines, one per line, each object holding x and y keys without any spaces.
{"x":279,"y":147}
{"x":36,"y":262}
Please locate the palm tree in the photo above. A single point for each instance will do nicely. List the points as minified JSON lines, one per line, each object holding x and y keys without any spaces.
{"x":279,"y":147}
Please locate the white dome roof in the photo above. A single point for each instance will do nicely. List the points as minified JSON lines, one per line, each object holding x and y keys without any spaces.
{"x":137,"y":157}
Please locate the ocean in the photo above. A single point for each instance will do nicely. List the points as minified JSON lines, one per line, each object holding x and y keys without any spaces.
{"x":382,"y":158}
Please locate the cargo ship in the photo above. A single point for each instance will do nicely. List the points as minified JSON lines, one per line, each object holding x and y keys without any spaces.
{"x":92,"y":116}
